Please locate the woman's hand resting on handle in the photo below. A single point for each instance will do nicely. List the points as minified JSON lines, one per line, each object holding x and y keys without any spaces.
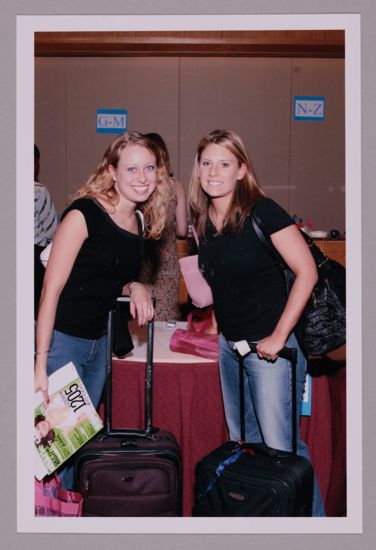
{"x":268,"y":348}
{"x":141,"y":303}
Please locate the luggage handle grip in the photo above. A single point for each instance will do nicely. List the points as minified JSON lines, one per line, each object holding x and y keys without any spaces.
{"x":286,"y":353}
{"x":259,"y":449}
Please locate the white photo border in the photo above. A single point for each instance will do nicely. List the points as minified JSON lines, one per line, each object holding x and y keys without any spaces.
{"x":26,"y":27}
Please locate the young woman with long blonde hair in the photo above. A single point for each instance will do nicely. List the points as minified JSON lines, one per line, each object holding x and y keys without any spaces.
{"x":95,"y":257}
{"x":250,"y":301}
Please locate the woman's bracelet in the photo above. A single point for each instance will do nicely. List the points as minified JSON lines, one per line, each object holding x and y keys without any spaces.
{"x":41,"y":352}
{"x":132,"y":285}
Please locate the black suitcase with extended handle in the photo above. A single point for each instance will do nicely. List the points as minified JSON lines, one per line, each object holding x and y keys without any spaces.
{"x":247,"y":479}
{"x":130,"y":472}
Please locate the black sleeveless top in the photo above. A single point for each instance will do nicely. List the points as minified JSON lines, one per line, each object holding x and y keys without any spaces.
{"x":248,"y":290}
{"x":109,"y":258}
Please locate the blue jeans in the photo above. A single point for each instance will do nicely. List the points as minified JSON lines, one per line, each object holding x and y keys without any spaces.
{"x":267,"y":401}
{"x":89,"y":358}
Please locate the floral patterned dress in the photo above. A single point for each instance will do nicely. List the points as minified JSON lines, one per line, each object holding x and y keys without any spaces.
{"x":160,"y":271}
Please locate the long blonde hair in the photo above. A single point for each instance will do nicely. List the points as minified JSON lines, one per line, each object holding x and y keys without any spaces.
{"x":101,"y":185}
{"x":246,"y":192}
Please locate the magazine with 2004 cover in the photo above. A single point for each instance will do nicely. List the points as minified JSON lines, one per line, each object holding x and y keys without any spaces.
{"x":130,"y":472}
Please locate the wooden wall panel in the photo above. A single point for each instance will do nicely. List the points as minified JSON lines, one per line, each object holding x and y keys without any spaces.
{"x":318,"y":147}
{"x":248,"y":95}
{"x":50,"y":125}
{"x":300,"y":164}
{"x":147,"y":87}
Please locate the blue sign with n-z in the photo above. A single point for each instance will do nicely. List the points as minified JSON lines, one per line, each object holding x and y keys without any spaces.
{"x":309,"y":107}
{"x":112,"y":121}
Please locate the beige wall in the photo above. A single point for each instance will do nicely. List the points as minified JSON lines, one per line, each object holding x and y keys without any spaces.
{"x":301,"y":164}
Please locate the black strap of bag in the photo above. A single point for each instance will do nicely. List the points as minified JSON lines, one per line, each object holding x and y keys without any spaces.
{"x":291,"y":355}
{"x":257,"y":226}
{"x":319,"y":257}
{"x":148,"y":430}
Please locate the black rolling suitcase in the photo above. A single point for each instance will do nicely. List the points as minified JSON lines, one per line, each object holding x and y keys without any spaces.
{"x":130,"y":472}
{"x":246,"y":479}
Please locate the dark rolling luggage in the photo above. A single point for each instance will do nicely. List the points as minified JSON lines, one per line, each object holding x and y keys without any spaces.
{"x":130,"y":472}
{"x":246,"y":479}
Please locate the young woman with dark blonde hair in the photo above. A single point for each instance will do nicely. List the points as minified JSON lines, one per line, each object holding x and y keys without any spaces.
{"x":249,"y":295}
{"x":95,"y":257}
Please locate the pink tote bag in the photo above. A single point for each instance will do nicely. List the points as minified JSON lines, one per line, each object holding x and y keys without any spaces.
{"x":197,"y":287}
{"x":195,"y":339}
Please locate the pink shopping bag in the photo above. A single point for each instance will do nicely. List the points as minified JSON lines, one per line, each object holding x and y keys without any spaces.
{"x":52,"y":500}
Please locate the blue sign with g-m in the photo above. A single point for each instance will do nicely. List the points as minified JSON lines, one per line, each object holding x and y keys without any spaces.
{"x":112,"y":121}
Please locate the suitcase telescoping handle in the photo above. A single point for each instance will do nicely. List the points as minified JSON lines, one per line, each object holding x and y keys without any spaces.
{"x":286,"y":353}
{"x":148,"y":428}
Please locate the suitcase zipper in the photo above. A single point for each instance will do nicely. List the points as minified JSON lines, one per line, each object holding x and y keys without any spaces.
{"x":85,"y":488}
{"x":137,"y":466}
{"x":96,"y":455}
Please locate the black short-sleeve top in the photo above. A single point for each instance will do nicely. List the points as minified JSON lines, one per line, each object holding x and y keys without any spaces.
{"x":109,"y":258}
{"x":248,"y":290}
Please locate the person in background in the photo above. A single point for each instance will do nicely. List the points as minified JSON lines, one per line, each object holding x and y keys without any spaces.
{"x":95,"y":257}
{"x":45,"y":225}
{"x":249,"y":295}
{"x":161,"y":271}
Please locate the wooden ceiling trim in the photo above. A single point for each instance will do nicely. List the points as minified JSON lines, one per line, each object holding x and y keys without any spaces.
{"x":233,"y":43}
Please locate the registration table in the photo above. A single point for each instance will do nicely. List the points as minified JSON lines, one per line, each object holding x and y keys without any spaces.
{"x":187,"y":402}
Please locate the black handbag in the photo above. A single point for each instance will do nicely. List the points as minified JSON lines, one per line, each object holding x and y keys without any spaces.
{"x":322,"y":325}
{"x":122,"y":342}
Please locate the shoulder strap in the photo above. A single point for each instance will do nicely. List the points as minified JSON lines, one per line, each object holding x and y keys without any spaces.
{"x":319,"y":257}
{"x":258,"y":227}
{"x":140,"y":222}
{"x":194,"y":233}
